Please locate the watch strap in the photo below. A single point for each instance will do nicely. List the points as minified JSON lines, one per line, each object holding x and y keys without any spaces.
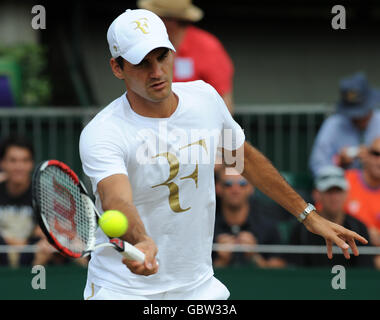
{"x":301,"y":218}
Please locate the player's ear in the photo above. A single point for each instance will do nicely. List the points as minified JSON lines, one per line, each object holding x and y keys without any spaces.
{"x":116,"y":69}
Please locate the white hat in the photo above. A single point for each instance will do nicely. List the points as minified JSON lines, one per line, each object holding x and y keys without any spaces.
{"x":329,"y":177}
{"x":135,"y":33}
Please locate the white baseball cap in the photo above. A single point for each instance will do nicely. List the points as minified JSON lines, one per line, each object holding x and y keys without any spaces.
{"x":135,"y":33}
{"x":329,"y":177}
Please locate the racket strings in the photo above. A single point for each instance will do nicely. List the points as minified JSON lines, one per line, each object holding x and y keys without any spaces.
{"x":63,"y":210}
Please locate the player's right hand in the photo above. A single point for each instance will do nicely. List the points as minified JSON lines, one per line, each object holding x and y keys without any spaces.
{"x":150,"y":265}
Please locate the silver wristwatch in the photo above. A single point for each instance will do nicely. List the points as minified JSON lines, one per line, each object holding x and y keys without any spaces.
{"x":306,"y":212}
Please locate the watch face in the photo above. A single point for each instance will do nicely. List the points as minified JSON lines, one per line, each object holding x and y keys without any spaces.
{"x":306,"y":212}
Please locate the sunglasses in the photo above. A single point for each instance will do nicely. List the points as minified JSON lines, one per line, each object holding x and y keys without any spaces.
{"x":230,"y":183}
{"x":374,"y":153}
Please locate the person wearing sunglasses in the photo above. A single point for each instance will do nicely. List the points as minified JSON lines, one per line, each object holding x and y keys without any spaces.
{"x":363,"y":201}
{"x":241,"y":221}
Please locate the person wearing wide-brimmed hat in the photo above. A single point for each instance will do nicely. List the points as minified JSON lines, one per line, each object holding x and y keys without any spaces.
{"x":344,"y":135}
{"x":199,"y":54}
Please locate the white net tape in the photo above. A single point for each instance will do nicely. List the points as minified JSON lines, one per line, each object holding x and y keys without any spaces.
{"x":285,"y":249}
{"x":290,"y":249}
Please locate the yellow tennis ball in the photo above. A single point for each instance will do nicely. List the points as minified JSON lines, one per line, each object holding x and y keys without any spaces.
{"x":113,"y":223}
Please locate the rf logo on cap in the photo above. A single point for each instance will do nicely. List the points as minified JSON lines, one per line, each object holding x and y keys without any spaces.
{"x":135,"y":33}
{"x":142,"y":24}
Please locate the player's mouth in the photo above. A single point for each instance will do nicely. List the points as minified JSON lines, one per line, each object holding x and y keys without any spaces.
{"x":158,"y":85}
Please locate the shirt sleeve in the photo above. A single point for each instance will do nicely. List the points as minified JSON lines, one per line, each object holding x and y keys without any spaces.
{"x":101,"y":155}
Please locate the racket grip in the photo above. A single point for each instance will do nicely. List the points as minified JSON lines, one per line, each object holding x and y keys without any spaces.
{"x":132,"y":253}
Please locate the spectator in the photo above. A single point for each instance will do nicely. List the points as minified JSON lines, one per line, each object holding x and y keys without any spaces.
{"x":331,"y":192}
{"x":363,"y":201}
{"x":344,"y":135}
{"x":199,"y":54}
{"x":17,"y":221}
{"x":238,"y":221}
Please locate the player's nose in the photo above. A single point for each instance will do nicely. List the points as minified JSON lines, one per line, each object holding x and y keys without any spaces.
{"x":156,"y":70}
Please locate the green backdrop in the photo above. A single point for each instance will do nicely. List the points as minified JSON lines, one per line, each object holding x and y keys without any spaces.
{"x":245,"y":283}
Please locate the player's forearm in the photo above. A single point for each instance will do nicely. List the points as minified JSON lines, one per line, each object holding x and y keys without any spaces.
{"x":115,"y":193}
{"x":136,"y":231}
{"x":261,"y":173}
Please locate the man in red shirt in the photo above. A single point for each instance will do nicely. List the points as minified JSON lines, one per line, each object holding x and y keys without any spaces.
{"x":199,"y":54}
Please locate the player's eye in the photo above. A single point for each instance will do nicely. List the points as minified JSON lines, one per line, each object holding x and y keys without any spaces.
{"x":143,"y":63}
{"x":163,"y":55}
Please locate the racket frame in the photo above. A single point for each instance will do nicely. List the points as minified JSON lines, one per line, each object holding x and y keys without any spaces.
{"x":126,"y":249}
{"x":37,"y":207}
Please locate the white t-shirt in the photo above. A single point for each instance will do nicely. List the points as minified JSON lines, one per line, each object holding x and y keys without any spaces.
{"x":170,"y":165}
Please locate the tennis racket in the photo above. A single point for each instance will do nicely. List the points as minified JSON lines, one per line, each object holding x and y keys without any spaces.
{"x":67,"y":215}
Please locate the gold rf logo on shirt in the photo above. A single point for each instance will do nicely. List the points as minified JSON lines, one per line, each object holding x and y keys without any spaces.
{"x":174,"y":169}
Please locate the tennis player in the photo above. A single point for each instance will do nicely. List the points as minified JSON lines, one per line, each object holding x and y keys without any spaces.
{"x":151,"y":155}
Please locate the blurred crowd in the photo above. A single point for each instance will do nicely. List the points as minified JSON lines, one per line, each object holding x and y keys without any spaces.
{"x":18,"y":224}
{"x":344,"y":162}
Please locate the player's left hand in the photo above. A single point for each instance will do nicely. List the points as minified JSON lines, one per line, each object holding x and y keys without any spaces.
{"x":334,"y":233}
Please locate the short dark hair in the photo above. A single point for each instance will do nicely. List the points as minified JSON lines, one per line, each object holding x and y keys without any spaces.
{"x":15,"y":141}
{"x":120,"y":62}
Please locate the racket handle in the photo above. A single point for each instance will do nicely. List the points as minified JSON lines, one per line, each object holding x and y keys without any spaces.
{"x":132,"y":253}
{"x":126,"y":249}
